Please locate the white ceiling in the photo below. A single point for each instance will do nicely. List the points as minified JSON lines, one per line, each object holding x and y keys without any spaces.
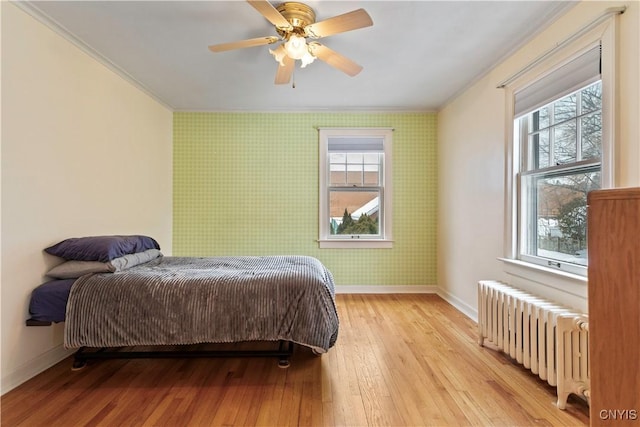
{"x":416,"y":56}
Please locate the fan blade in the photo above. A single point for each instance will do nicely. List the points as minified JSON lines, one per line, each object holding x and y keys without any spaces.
{"x":339,"y":24}
{"x":283,"y":75}
{"x":334,"y":59}
{"x":242,"y":44}
{"x":271,"y":14}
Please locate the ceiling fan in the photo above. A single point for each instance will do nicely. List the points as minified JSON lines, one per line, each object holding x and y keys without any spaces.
{"x":295,"y":23}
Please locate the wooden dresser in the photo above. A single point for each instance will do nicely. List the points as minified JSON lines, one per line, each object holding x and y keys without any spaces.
{"x":614,"y":306}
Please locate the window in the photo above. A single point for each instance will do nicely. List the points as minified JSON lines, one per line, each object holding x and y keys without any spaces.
{"x":355,"y":188}
{"x":558,"y":133}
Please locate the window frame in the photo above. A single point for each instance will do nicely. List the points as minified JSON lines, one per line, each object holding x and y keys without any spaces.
{"x":528,"y":170}
{"x":384,"y":238}
{"x":605,"y":35}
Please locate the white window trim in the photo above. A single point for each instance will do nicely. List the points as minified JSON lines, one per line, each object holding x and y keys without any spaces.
{"x":605,"y":35}
{"x":325,"y":241}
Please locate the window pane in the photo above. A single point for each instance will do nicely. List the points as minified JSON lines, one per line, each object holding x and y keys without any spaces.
{"x":540,"y":147}
{"x":372,"y":158}
{"x":591,"y":98}
{"x":372,"y":175}
{"x":354,"y":174}
{"x":558,"y":216}
{"x":355,"y":158}
{"x":564,"y":147}
{"x":372,"y":162}
{"x":540,"y":119}
{"x":338,"y":158}
{"x":591,"y":135}
{"x":565,"y":108}
{"x":338,"y":175}
{"x":354,"y":212}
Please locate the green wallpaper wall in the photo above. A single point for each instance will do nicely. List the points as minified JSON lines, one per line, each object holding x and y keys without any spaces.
{"x":247,"y":184}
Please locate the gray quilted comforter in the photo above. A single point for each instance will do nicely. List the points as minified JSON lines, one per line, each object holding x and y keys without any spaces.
{"x":181,"y":300}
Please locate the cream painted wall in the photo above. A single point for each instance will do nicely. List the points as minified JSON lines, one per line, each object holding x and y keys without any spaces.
{"x":472,"y":156}
{"x":83,"y":153}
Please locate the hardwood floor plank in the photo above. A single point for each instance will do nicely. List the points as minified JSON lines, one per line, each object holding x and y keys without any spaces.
{"x":400,"y":360}
{"x":208,"y":401}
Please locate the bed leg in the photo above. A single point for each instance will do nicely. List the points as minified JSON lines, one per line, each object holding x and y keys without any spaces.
{"x":79,"y":361}
{"x":284,"y":363}
{"x":283,"y":359}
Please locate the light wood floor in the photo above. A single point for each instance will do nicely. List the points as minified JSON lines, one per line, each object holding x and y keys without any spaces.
{"x":400,"y":360}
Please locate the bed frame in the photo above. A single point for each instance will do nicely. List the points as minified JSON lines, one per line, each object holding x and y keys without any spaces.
{"x":283,"y":352}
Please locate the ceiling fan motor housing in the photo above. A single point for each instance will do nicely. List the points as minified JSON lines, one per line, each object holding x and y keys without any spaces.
{"x":299,"y":16}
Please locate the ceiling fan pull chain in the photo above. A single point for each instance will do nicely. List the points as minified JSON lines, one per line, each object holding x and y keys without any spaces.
{"x":293,"y":79}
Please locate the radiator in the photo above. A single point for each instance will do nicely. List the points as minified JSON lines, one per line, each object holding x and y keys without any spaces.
{"x":549,"y":339}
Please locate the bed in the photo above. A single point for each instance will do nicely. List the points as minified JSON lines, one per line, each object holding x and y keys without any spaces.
{"x":136,"y":297}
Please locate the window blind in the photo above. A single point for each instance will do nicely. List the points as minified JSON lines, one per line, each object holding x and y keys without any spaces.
{"x":344,"y":144}
{"x":571,"y":76}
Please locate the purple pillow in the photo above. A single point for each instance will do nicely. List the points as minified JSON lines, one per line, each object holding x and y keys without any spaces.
{"x":101,"y":248}
{"x":49,"y":301}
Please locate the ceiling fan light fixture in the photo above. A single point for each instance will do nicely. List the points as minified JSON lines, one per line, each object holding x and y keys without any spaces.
{"x":296,"y":47}
{"x":307,"y":59}
{"x":279,"y":53}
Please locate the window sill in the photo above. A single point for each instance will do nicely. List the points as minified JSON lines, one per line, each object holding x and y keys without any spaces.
{"x":562,"y":281}
{"x":355,"y":244}
{"x":545,"y":270}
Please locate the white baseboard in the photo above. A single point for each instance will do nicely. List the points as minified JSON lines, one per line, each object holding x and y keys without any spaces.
{"x":463,"y":307}
{"x":372,"y":289}
{"x":34,"y":367}
{"x":460,"y":305}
